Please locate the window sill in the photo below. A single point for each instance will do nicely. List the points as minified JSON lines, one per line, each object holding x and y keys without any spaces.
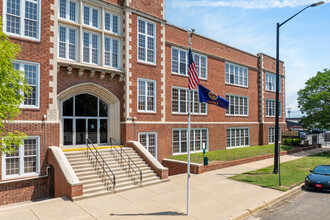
{"x":22,"y":38}
{"x":29,"y":108}
{"x":19,"y":177}
{"x":146,"y":63}
{"x":244,"y":87}
{"x":241,"y":116}
{"x":192,"y":114}
{"x":145,"y":112}
{"x":177,"y":74}
{"x":271,"y":91}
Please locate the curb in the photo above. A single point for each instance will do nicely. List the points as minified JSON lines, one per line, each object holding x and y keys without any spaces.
{"x":278,"y":198}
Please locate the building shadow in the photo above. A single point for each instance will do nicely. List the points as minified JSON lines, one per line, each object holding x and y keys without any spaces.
{"x":166,"y":213}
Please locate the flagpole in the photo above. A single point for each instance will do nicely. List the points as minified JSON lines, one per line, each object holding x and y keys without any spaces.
{"x":190,"y":32}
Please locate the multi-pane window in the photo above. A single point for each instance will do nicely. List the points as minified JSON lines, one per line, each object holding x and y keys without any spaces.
{"x":271,"y":82}
{"x":91,"y":48}
{"x":22,"y":18}
{"x":31,"y":71}
{"x":68,"y":10}
{"x":91,"y":16}
{"x":146,"y":95}
{"x":24,"y":161}
{"x":238,"y":105}
{"x":111,"y":22}
{"x":237,"y":137}
{"x":270,"y":107}
{"x":146,"y":41}
{"x":236,"y":75}
{"x":180,"y":63}
{"x":197,"y":138}
{"x":68,"y":43}
{"x":271,"y":135}
{"x":149,"y":141}
{"x":180,"y":102}
{"x":111,"y":52}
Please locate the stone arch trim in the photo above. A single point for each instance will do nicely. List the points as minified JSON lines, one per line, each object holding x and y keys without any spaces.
{"x":98,"y":91}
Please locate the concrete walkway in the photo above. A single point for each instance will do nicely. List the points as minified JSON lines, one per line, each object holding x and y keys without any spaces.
{"x":213,"y":196}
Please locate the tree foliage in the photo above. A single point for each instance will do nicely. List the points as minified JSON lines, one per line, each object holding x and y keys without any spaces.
{"x":13,"y":86}
{"x":314,"y":101}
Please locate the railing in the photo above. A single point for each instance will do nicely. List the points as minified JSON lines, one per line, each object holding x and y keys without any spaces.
{"x":130,"y":163}
{"x":99,"y":159}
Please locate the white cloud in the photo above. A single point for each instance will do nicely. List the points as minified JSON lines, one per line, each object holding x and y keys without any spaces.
{"x":246,"y":4}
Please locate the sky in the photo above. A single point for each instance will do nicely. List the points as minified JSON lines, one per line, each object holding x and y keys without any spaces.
{"x":250,"y":25}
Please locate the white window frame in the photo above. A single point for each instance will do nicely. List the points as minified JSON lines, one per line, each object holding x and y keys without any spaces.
{"x":146,"y":96}
{"x":67,"y":40}
{"x":235,"y":97}
{"x":273,"y":104}
{"x":22,"y":17}
{"x":111,"y":22}
{"x":91,"y":46}
{"x":235,"y":128}
{"x":192,"y":129}
{"x":111,"y":51}
{"x":146,"y":41}
{"x":21,"y":68}
{"x":271,"y":78}
{"x":199,"y":68}
{"x":228,"y":72}
{"x":90,"y":19}
{"x":67,"y":11}
{"x":192,"y":110}
{"x":271,"y":135}
{"x":21,"y":162}
{"x":147,"y":141}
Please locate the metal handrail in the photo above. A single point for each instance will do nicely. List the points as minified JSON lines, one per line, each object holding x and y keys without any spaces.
{"x":104,"y":165}
{"x":122,"y":151}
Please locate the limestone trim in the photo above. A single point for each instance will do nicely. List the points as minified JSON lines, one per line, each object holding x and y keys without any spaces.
{"x":201,"y":123}
{"x":261,"y":88}
{"x":128,"y":64}
{"x":163,"y":73}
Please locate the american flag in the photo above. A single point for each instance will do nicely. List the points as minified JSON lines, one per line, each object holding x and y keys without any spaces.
{"x":192,"y":71}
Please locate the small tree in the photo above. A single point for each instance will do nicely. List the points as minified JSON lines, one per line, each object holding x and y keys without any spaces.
{"x":314,"y":100}
{"x":13,"y":86}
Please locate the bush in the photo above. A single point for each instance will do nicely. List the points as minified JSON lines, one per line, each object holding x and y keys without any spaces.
{"x":287,"y":141}
{"x":291,"y":141}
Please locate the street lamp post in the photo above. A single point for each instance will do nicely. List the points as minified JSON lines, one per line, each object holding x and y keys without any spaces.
{"x":277,"y":149}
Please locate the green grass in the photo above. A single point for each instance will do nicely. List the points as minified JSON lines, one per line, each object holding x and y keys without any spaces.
{"x":292,"y":173}
{"x":231,"y":154}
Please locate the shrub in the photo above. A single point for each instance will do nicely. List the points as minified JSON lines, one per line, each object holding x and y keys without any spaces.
{"x":287,"y":141}
{"x":291,"y":141}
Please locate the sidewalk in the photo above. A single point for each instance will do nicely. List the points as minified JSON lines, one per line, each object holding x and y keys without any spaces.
{"x":213,"y":196}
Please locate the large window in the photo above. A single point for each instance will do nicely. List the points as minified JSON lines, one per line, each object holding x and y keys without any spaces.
{"x":91,"y":16}
{"x":25,"y":161}
{"x":236,"y":75}
{"x":198,"y":137}
{"x":237,"y":137}
{"x":111,"y":52}
{"x":270,"y":107}
{"x":68,"y":42}
{"x":271,"y":82}
{"x":146,"y":95}
{"x":91,"y":49}
{"x":68,"y":10}
{"x":180,"y":63}
{"x":111,"y":22}
{"x":31,"y":71}
{"x":271,"y":135}
{"x":149,"y":141}
{"x":146,"y":41}
{"x":180,"y":102}
{"x":22,"y":18}
{"x":238,"y":105}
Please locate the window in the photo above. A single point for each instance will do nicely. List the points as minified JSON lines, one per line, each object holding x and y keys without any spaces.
{"x":270,"y":107}
{"x":91,"y":45}
{"x":237,"y":137}
{"x":271,"y":135}
{"x":31,"y":71}
{"x":236,"y":75}
{"x":111,"y":22}
{"x":22,"y":18}
{"x":24,"y":162}
{"x":146,"y":95}
{"x":180,"y":63}
{"x":238,"y":105}
{"x":271,"y":82}
{"x":92,"y":16}
{"x":180,"y":102}
{"x":146,"y":41}
{"x":68,"y":43}
{"x":198,"y":137}
{"x":68,"y":10}
{"x":111,"y":52}
{"x":149,"y":141}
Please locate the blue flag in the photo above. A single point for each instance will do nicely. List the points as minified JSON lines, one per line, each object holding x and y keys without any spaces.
{"x":205,"y":95}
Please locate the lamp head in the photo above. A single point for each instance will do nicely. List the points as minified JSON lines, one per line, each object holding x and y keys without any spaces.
{"x":190,"y":31}
{"x":317,"y":4}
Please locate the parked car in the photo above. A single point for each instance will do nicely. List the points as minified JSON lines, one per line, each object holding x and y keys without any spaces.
{"x":316,"y":132}
{"x":302,"y":135}
{"x":319,"y":178}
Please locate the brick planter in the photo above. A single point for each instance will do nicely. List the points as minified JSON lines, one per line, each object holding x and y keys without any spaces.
{"x":178,"y":167}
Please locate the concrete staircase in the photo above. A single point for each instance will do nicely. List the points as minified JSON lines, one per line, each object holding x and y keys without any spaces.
{"x":95,"y":185}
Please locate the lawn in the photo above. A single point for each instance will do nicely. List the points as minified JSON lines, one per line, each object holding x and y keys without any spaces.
{"x":292,"y":173}
{"x":231,"y":154}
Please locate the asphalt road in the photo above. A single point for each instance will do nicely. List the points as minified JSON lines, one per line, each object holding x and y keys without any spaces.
{"x":300,"y":206}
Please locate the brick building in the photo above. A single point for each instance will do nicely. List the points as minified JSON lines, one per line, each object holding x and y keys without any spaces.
{"x":115,"y":71}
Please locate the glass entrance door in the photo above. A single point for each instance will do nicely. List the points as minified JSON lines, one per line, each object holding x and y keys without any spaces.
{"x":92,"y":130}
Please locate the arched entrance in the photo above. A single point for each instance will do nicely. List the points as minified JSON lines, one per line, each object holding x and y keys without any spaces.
{"x":88,"y":111}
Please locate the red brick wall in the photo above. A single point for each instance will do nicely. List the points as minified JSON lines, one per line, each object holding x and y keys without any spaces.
{"x":151,"y":7}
